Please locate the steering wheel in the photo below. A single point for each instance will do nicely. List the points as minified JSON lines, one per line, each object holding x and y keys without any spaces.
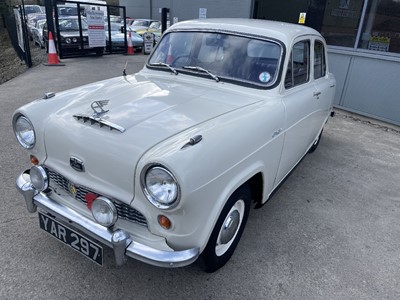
{"x":184,"y":60}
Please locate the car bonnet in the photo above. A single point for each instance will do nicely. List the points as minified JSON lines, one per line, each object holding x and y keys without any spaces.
{"x":135,"y":114}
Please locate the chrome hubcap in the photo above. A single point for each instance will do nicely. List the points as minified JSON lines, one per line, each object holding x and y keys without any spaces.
{"x":230,"y":228}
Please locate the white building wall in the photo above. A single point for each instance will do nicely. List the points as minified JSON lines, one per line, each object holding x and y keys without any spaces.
{"x":137,"y":9}
{"x":186,"y":9}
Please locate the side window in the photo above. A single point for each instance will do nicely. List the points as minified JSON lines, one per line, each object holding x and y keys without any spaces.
{"x":319,"y":60}
{"x":298,"y":71}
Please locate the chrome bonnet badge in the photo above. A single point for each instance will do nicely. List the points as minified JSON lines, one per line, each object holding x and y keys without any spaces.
{"x":76,"y":164}
{"x":97,"y":107}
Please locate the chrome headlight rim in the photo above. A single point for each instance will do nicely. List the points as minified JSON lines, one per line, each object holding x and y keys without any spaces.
{"x":23,"y":142}
{"x":39,"y":178}
{"x":150,"y":197}
{"x":112,"y":209}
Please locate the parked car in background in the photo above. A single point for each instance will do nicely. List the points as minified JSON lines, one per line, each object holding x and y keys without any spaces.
{"x":118,"y":38}
{"x":128,"y":21}
{"x":164,"y":165}
{"x":154,"y":28}
{"x":37,"y":33}
{"x":69,"y":9}
{"x":115,"y":19}
{"x":139,"y":24}
{"x":70,"y":36}
{"x":31,"y":22}
{"x":32,"y":9}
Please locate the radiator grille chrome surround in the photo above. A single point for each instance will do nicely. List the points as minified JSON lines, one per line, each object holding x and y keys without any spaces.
{"x":125,"y":211}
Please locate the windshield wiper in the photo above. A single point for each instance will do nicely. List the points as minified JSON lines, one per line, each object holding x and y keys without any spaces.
{"x":202,"y":70}
{"x":173,"y":70}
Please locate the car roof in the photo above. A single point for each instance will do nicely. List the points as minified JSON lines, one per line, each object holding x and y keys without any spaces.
{"x":284,"y":32}
{"x":151,"y":20}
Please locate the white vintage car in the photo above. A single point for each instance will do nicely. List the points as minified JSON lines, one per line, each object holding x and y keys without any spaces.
{"x":162,"y":166}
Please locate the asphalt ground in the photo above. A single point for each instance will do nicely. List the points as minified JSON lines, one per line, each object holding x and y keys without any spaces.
{"x":332,"y":231}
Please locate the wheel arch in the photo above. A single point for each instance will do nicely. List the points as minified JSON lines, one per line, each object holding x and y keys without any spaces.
{"x":256,"y":185}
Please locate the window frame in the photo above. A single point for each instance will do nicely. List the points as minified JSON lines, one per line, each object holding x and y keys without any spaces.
{"x":290,"y":65}
{"x":324,"y":65}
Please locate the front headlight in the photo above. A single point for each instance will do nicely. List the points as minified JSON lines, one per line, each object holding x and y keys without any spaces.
{"x":24,"y":132}
{"x":68,"y":40}
{"x":160,"y":186}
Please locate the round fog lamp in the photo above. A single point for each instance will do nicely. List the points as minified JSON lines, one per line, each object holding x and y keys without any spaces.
{"x":68,"y":40}
{"x":104,"y":211}
{"x":39,"y":178}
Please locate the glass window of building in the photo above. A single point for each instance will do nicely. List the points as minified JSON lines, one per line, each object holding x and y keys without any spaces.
{"x":337,"y":20}
{"x":373,"y":25}
{"x":381,"y":27}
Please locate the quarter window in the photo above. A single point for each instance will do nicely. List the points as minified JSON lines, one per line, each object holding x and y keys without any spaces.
{"x":298,"y":71}
{"x":319,"y":60}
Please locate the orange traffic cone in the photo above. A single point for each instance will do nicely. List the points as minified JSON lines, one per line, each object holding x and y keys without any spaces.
{"x":170,"y":57}
{"x":131,"y":50}
{"x":52,"y":57}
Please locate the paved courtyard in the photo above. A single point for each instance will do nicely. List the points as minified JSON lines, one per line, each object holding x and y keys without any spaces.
{"x":332,"y":231}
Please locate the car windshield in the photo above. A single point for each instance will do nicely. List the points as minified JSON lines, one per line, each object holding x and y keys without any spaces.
{"x":155,"y":25}
{"x":224,"y":56}
{"x":71,"y":24}
{"x":32,"y":9}
{"x":140,"y":23}
{"x":67,"y":10}
{"x":114,"y":27}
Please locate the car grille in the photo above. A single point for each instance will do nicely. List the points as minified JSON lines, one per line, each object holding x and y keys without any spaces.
{"x":124,"y":211}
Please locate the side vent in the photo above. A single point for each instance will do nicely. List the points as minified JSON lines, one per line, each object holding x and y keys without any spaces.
{"x":99,"y":121}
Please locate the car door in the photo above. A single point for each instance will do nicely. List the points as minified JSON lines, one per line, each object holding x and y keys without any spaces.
{"x":299,"y":99}
{"x":324,"y":83}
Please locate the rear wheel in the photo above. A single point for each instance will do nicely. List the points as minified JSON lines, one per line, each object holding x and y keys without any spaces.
{"x":227,"y":231}
{"x":316,"y":143}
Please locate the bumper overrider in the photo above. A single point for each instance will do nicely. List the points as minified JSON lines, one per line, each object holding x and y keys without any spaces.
{"x":119,"y":240}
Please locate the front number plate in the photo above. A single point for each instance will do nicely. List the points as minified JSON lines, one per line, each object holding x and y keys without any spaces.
{"x":75,"y":240}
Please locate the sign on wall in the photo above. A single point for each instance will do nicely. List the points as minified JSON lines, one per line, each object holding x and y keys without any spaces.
{"x":148,"y":39}
{"x":202,"y":13}
{"x":96,"y":32}
{"x":302,"y":18}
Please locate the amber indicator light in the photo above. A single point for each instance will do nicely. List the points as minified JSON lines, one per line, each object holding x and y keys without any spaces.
{"x":34,"y":160}
{"x":164,"y":222}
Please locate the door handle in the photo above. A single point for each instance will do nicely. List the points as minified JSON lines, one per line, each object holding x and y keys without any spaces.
{"x":316,"y":94}
{"x":277,"y":132}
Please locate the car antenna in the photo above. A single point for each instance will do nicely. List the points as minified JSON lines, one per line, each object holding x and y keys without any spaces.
{"x":124,"y":71}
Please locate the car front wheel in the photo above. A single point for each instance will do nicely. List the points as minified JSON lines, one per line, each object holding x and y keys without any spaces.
{"x":227,"y":231}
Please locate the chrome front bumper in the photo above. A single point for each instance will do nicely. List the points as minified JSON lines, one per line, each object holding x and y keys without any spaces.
{"x":119,"y":240}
